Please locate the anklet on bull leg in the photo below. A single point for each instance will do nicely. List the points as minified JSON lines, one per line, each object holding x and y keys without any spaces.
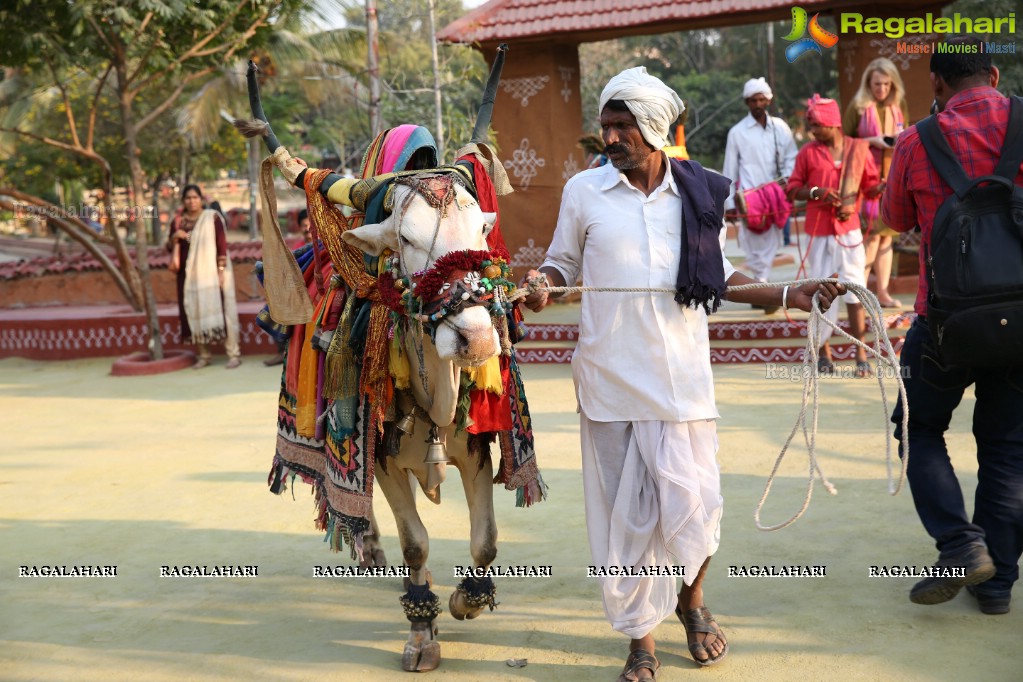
{"x":479,"y":592}
{"x":420,"y":603}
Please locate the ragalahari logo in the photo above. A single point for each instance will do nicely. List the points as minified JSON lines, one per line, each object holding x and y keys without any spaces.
{"x":817,"y":39}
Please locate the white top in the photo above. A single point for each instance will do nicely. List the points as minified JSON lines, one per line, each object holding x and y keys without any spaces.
{"x":756,"y":154}
{"x":640,"y":356}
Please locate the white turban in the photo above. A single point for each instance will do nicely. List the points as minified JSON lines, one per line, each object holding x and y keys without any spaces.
{"x":757,"y":86}
{"x":654,"y":104}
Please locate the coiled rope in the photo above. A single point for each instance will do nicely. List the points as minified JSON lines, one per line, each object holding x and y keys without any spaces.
{"x":883,"y":352}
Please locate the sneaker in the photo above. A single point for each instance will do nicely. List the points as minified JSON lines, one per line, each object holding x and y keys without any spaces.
{"x":979,"y":567}
{"x":990,"y":604}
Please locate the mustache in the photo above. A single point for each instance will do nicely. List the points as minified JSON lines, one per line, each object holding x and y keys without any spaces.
{"x":614,"y":149}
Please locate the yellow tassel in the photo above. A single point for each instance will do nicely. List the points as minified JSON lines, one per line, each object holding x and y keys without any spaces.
{"x":400,"y":368}
{"x":488,"y":376}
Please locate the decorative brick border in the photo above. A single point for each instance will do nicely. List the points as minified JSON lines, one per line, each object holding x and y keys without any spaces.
{"x":64,"y":334}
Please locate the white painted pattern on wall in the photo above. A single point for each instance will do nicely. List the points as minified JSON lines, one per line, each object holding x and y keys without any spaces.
{"x":528,"y":256}
{"x":524,"y":162}
{"x":566,"y":82}
{"x":524,"y":88}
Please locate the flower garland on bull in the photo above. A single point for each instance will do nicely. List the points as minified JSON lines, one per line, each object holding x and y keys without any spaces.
{"x":356,"y":382}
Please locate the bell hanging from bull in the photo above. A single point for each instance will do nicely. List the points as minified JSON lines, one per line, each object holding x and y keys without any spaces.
{"x":436,"y":453}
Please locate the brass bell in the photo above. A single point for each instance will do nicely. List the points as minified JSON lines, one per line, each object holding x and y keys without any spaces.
{"x":406,"y":424}
{"x":436,"y":453}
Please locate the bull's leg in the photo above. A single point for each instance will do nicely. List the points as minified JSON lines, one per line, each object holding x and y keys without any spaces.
{"x":475,"y":592}
{"x":372,"y":549}
{"x":422,"y":651}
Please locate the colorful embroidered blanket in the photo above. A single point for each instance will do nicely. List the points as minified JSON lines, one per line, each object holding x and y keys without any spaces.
{"x":337,"y":386}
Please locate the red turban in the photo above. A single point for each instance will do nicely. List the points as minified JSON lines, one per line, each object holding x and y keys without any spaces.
{"x":823,"y":112}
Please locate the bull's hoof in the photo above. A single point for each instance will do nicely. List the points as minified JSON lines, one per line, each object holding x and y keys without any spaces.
{"x":422,"y":651}
{"x":460,"y":608}
{"x":406,"y":582}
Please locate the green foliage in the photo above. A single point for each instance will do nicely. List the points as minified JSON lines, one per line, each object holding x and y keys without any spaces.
{"x":407,"y":75}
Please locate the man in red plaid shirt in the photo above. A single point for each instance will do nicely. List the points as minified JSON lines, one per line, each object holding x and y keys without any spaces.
{"x":973,"y":118}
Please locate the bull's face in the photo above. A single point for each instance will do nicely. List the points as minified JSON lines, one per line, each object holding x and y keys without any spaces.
{"x":420,"y":234}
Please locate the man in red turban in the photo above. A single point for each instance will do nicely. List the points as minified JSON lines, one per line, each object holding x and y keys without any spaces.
{"x":831,"y":175}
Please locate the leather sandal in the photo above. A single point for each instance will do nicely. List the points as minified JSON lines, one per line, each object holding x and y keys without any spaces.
{"x":638,"y":660}
{"x":200,"y":363}
{"x":697,"y":620}
{"x":825,"y":366}
{"x":863,"y":369}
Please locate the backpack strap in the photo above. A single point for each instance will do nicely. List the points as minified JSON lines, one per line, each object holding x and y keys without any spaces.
{"x":1012,"y":148}
{"x":941,"y":155}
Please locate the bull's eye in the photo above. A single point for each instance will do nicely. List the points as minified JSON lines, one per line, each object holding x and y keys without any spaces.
{"x":404,"y":240}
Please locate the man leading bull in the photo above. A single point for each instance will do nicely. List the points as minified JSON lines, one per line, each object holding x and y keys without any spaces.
{"x":642,"y":363}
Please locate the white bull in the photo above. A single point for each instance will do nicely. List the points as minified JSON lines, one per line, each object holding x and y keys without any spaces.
{"x":420,"y":234}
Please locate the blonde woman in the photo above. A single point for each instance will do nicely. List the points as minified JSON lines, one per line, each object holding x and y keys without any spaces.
{"x":878,"y":114}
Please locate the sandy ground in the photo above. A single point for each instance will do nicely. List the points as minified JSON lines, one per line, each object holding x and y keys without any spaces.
{"x":171,"y":470}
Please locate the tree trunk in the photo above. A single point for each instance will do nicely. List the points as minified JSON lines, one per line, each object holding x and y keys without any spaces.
{"x":131,"y":274}
{"x":373,"y":69}
{"x":141,"y":236}
{"x":437,"y":101}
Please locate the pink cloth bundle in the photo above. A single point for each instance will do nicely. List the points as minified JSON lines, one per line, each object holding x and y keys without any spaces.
{"x":766,"y":207}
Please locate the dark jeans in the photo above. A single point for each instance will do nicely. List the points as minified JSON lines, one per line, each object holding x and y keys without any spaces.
{"x":787,"y":232}
{"x":934,"y":392}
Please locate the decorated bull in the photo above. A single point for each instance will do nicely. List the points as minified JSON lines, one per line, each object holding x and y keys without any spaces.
{"x":405,"y":363}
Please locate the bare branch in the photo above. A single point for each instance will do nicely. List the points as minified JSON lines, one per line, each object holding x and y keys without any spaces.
{"x":102,"y":35}
{"x":142,"y":26}
{"x":142,"y":63}
{"x":95,"y":107}
{"x":83,"y":237}
{"x":67,"y":102}
{"x":172,"y":98}
{"x":50,"y":141}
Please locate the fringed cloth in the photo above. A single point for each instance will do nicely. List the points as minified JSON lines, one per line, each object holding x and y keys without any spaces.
{"x":337,"y":388}
{"x":209,"y":306}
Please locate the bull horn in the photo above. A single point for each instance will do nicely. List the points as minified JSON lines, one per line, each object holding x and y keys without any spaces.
{"x":486,"y":112}
{"x":260,"y":126}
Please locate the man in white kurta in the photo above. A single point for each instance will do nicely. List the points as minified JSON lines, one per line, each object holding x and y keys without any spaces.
{"x":642,"y":374}
{"x":643,"y":378}
{"x":759,"y":149}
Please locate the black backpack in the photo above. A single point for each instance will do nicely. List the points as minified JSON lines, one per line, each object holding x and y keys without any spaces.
{"x":975,"y":261}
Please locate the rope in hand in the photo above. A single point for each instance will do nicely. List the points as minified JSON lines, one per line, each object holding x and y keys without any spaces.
{"x":883,"y":352}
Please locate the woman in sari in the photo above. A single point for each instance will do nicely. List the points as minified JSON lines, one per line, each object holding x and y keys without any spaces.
{"x":205,"y":279}
{"x":878,"y":115}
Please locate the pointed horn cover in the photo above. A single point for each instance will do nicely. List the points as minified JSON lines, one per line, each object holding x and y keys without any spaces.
{"x":486,"y":112}
{"x":250,"y":129}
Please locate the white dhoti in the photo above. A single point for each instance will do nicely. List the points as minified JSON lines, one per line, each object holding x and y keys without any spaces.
{"x":653,"y":498}
{"x":842,"y":254}
{"x":759,"y":250}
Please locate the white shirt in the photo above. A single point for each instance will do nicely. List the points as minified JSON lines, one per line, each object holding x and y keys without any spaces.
{"x":756,"y":154}
{"x":640,"y":356}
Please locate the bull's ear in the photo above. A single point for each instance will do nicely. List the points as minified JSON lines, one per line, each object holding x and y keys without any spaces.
{"x":374,"y":237}
{"x":489,"y":220}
